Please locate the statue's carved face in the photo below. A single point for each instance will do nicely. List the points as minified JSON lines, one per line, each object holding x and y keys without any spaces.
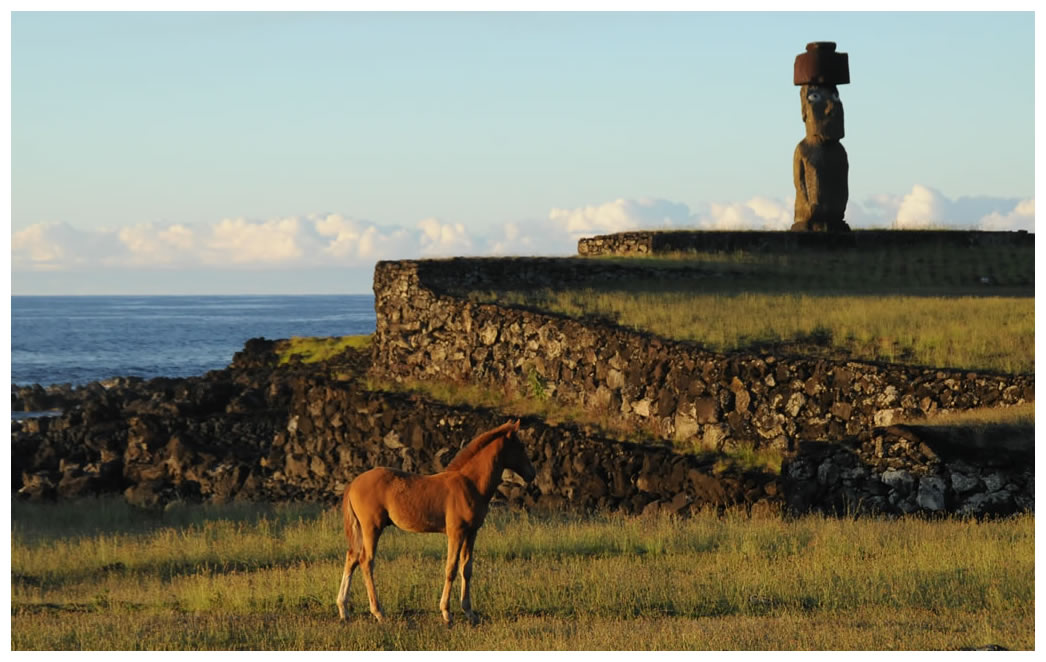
{"x":822,"y":111}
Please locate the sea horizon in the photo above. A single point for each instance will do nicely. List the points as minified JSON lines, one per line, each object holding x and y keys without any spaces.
{"x":79,"y":339}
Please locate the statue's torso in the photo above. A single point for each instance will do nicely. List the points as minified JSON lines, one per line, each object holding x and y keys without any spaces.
{"x":821,"y":169}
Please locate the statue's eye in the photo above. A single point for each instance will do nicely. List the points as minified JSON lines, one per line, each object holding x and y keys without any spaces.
{"x":813,"y":97}
{"x":835,"y":96}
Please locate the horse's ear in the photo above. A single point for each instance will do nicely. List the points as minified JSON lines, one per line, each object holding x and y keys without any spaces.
{"x":515,"y":426}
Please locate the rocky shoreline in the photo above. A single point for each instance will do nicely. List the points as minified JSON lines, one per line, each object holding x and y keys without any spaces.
{"x":259,"y":431}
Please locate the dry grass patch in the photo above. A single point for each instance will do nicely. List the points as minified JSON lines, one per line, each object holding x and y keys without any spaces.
{"x":943,"y":306}
{"x":264,"y":577}
{"x":314,"y":350}
{"x":995,"y":334}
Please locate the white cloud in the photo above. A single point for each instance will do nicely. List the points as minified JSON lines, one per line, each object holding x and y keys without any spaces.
{"x":239,"y":241}
{"x":56,"y":246}
{"x":346,"y":238}
{"x":619,"y":216}
{"x":334,"y":240}
{"x":39,"y":245}
{"x":376,"y":244}
{"x":151,"y":245}
{"x":308,"y":241}
{"x":925,"y":207}
{"x":759,"y":213}
{"x":922,"y":208}
{"x":440,"y":239}
{"x":532,"y":237}
{"x":1022,"y":217}
{"x":511,"y":241}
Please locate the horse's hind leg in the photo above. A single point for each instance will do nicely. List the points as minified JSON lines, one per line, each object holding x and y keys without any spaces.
{"x":466,"y":576}
{"x":351,"y":561}
{"x":366,"y":560}
{"x":455,"y":540}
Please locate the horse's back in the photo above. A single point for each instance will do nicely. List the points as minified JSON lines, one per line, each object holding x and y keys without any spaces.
{"x":412,"y":502}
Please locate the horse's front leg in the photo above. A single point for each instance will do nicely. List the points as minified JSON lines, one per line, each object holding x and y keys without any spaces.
{"x":455,"y":540}
{"x":466,"y":576}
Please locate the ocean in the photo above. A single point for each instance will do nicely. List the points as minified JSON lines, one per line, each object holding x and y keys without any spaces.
{"x":76,"y":340}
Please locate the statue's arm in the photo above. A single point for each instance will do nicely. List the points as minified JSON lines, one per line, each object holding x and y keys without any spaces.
{"x":799,"y":174}
{"x":807,"y":183}
{"x":846,"y":177}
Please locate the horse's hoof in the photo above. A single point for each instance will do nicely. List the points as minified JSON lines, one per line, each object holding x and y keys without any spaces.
{"x":379,"y":616}
{"x":447,"y":620}
{"x":473,"y":619}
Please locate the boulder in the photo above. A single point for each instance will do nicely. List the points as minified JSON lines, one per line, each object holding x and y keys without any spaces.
{"x":932,"y":493}
{"x":899,"y":480}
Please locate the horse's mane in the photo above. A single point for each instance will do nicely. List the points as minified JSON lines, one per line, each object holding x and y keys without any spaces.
{"x":476,"y":445}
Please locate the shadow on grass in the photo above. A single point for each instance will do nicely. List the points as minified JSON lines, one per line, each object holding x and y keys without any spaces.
{"x":108,"y":515}
{"x":979,"y":444}
{"x":163,"y":570}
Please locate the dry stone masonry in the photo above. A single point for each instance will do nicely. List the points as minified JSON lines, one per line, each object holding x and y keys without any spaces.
{"x":256,"y":431}
{"x":259,"y":432}
{"x":675,"y":388}
{"x":661,"y":242}
{"x":833,"y":419}
{"x":905,"y":469}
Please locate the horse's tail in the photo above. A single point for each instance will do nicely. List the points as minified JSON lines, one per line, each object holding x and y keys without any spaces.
{"x":352,"y":524}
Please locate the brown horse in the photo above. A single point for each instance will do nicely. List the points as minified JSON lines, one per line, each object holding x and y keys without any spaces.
{"x":453,"y":501}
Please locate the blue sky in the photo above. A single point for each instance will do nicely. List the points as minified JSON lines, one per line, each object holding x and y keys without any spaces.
{"x":285,"y":153}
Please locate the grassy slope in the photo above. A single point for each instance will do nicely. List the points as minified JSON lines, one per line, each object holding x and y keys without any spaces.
{"x":314,"y":350}
{"x":264,"y":577}
{"x":922,"y":306}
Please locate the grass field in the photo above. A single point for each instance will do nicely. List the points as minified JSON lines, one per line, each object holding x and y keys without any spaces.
{"x":314,"y":350}
{"x":967,"y":308}
{"x":100,"y":575}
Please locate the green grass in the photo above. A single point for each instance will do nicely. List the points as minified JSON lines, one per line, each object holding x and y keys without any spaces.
{"x":993,"y":334}
{"x":1018,"y":415}
{"x":917,"y":270}
{"x":98,"y":575}
{"x":314,"y":350}
{"x":921,"y":306}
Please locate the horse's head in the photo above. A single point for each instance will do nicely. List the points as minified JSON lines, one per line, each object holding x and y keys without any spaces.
{"x":514,"y":454}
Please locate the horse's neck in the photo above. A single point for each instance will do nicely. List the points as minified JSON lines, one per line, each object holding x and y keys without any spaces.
{"x":484,"y":469}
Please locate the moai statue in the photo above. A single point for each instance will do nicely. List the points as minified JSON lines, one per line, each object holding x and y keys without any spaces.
{"x":819,"y":166}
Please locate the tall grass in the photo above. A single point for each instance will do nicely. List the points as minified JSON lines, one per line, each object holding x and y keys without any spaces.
{"x":942,"y":306}
{"x":314,"y":350}
{"x":1022,"y":416}
{"x":918,"y":269}
{"x":978,"y":333}
{"x":263,"y":577}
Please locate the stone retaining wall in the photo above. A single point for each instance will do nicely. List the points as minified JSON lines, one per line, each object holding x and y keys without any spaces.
{"x":426,"y":331}
{"x":906,"y":469}
{"x":300,"y":435}
{"x":685,"y":241}
{"x":335,"y":432}
{"x":257,"y":432}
